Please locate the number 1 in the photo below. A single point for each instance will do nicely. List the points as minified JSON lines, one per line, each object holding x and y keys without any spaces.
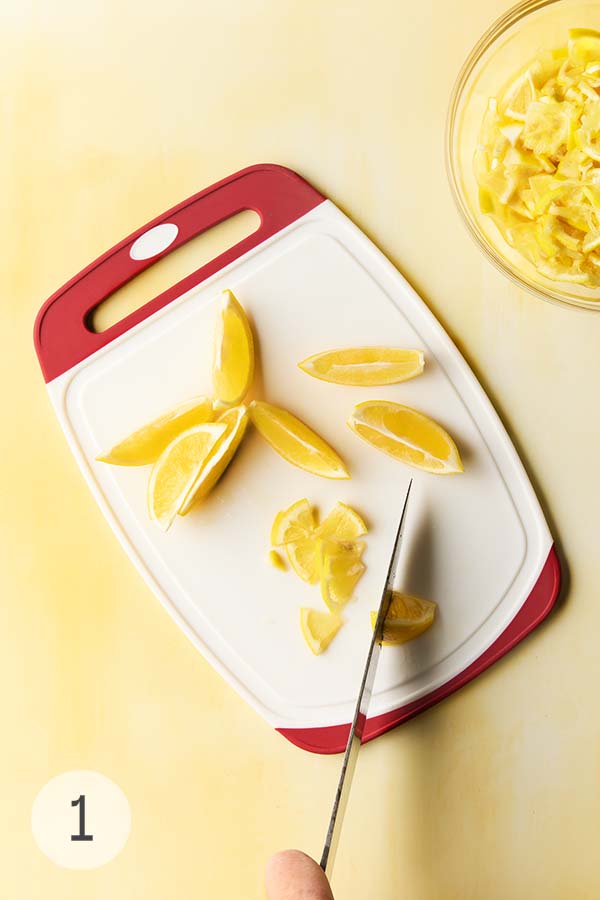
{"x":82,"y":836}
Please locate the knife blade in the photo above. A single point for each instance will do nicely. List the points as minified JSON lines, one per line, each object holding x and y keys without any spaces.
{"x":362,"y":704}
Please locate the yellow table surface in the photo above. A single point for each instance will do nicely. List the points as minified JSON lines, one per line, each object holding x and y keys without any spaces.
{"x":113,"y":111}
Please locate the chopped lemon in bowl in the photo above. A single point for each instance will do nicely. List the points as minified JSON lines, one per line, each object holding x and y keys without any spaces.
{"x":538,"y":162}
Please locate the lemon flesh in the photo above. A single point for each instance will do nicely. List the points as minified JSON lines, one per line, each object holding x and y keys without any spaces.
{"x":342,"y":524}
{"x":295,"y":441}
{"x":365,"y":366}
{"x":145,"y":445}
{"x":235,"y":421}
{"x":538,"y":162}
{"x":277,"y":560}
{"x":408,"y":617}
{"x":340,"y":570}
{"x":233,"y":362}
{"x":319,"y":628}
{"x":293,"y":524}
{"x":406,"y":435}
{"x":304,"y":559}
{"x":176,"y":470}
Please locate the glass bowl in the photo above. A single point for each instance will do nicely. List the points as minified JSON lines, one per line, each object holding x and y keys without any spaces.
{"x":507,"y":46}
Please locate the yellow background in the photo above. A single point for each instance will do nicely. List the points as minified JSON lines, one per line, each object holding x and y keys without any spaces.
{"x":112,"y":111}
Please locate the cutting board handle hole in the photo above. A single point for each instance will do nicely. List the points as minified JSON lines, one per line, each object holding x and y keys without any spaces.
{"x":170,"y":269}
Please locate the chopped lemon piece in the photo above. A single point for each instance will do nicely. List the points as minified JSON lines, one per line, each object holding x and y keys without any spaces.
{"x":304,"y":559}
{"x":235,"y":421}
{"x":518,"y":96}
{"x":319,"y":628}
{"x":233,"y":364}
{"x":584,"y":46}
{"x":546,"y":128}
{"x":341,"y":568}
{"x":342,"y":524}
{"x":295,"y":441}
{"x":293,"y":524}
{"x":408,"y":617}
{"x":277,"y":560}
{"x":407,"y":435}
{"x":146,"y":444}
{"x":365,"y":366}
{"x":176,"y":470}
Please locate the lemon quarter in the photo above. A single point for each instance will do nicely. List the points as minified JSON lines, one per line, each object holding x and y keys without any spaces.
{"x":295,"y":441}
{"x":175,"y":471}
{"x":233,"y":362}
{"x":407,"y":435}
{"x":145,"y":445}
{"x":365,"y":366}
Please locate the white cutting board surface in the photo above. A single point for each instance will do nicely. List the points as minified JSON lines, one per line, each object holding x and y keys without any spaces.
{"x":475,"y":543}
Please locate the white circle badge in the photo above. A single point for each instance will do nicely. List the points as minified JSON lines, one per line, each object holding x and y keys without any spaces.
{"x":81,"y":819}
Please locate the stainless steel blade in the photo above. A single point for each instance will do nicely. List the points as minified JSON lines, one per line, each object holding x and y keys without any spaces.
{"x":362,"y":704}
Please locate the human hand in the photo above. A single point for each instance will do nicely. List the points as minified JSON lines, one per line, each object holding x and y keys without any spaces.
{"x":292,"y":875}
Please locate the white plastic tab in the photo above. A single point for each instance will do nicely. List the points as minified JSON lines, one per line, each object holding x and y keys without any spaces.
{"x":154,"y":241}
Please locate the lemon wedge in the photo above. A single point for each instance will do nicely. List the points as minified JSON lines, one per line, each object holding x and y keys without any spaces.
{"x":407,"y":435}
{"x":233,"y":363}
{"x":146,"y":444}
{"x":342,"y":524}
{"x":293,"y":524}
{"x":295,"y":441}
{"x":365,"y":366}
{"x":408,"y":617}
{"x":177,"y":468}
{"x":235,"y":421}
{"x":340,"y":568}
{"x":319,"y":628}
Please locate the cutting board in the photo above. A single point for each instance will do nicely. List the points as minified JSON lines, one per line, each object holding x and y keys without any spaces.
{"x":310,"y":281}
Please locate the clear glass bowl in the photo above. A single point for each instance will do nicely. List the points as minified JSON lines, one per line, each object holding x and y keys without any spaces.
{"x":504,"y":49}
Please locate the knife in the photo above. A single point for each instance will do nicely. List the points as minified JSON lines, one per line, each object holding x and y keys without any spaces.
{"x":362,"y":704}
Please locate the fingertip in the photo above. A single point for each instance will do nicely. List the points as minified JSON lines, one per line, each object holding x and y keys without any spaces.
{"x":292,"y":875}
